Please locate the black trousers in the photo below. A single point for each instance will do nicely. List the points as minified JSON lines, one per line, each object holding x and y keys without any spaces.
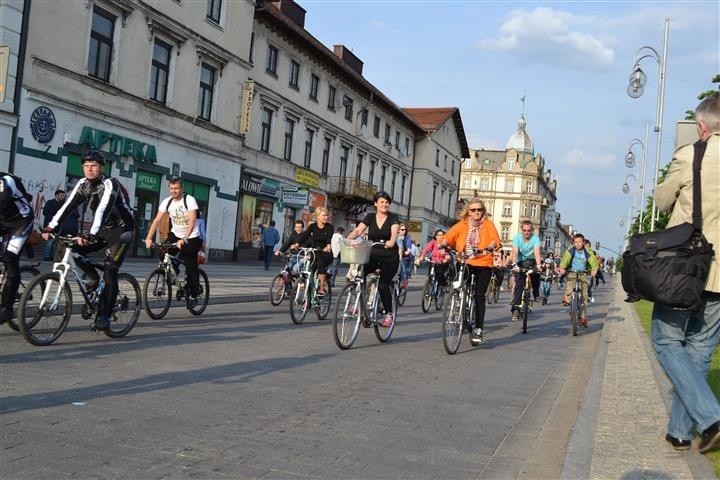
{"x":388,"y":261}
{"x":482,"y":280}
{"x":18,"y":230}
{"x":189,"y":255}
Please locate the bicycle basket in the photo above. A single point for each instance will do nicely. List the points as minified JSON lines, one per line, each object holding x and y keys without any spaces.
{"x":352,"y":251}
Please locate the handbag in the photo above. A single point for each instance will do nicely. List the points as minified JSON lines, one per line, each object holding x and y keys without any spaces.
{"x":671,"y":266}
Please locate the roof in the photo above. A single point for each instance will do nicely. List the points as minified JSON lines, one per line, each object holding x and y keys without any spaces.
{"x":431,"y":119}
{"x":520,"y":140}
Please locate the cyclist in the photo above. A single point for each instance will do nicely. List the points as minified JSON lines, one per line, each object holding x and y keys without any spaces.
{"x":112,"y":228}
{"x":439,"y":257}
{"x":406,"y":257}
{"x":547,"y":269}
{"x":525,"y":254}
{"x":588,"y":246}
{"x":382,"y":226}
{"x":182,"y":209}
{"x":581,"y":260}
{"x":498,"y":267}
{"x":16,"y":219}
{"x":473,"y":232}
{"x":319,"y":236}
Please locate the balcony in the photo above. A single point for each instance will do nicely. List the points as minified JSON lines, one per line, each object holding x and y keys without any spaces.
{"x":350,"y":194}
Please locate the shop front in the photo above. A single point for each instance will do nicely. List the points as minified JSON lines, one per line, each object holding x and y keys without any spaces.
{"x":147,"y":198}
{"x":258,"y":198}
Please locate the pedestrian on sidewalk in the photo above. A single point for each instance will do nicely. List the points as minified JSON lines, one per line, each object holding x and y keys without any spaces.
{"x":684,"y":341}
{"x":270,"y":238}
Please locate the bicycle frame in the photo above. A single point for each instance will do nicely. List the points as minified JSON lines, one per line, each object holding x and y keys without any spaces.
{"x":307,"y":255}
{"x":68,"y":266}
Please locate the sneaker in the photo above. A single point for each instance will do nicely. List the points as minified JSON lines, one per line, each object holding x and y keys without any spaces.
{"x":583,"y":322}
{"x":387,"y":321}
{"x":193,"y":302}
{"x":592,"y":299}
{"x":502,"y":289}
{"x":405,"y":284}
{"x":515,"y":317}
{"x":101,"y":323}
{"x":678,"y":444}
{"x":565,"y":302}
{"x":477,"y":336}
{"x":710,"y":438}
{"x":5,"y":315}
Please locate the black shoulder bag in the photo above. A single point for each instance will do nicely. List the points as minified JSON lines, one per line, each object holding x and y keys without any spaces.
{"x":671,"y":266}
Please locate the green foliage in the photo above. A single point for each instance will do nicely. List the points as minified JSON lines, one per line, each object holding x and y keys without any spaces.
{"x":690,"y":114}
{"x":662,"y":218}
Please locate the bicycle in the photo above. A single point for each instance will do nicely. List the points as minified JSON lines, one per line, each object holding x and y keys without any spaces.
{"x":493,"y":291}
{"x":360,"y":300}
{"x":27,"y":273}
{"x":403,"y":286}
{"x":46,"y":304}
{"x":526,"y":299}
{"x":157,"y":291}
{"x":304,"y":292}
{"x":432,"y":291}
{"x":282,"y":283}
{"x":545,"y":286}
{"x":577,"y":302}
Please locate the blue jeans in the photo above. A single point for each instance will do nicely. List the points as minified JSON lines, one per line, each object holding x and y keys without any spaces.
{"x":268,"y":255}
{"x":684,"y":341}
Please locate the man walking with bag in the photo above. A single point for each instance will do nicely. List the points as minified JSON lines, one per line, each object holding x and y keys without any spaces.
{"x":684,"y":340}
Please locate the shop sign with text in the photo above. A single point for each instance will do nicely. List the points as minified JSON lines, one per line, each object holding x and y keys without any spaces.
{"x":295,"y":196}
{"x":118,"y":145}
{"x":307,"y":177}
{"x":251,"y":183}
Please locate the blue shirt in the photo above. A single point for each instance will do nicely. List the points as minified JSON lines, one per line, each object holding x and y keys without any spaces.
{"x":270,"y":236}
{"x":525,"y":250}
{"x":579,"y":262}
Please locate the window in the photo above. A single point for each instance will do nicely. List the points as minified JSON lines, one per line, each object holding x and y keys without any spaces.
{"x":445,"y":164}
{"x":272,"y":57}
{"x":266,"y":128}
{"x":511,"y":164}
{"x":314,"y":83}
{"x":466,"y":183}
{"x":101,"y":44}
{"x":383,"y":171}
{"x":484,"y":184}
{"x":407,"y":146}
{"x":533,"y":210}
{"x":344,"y":154}
{"x":437,"y":157}
{"x":376,"y":127}
{"x":213,"y":10}
{"x":294,"y":74}
{"x":371,"y":175}
{"x":509,"y":184}
{"x":529,"y":187}
{"x":331,"y":98}
{"x":397,"y":138}
{"x":403,"y":181}
{"x":525,"y":209}
{"x":505,"y":233}
{"x":452,"y":167}
{"x":309,"y":134}
{"x":207,"y":87}
{"x":507,"y":209}
{"x":358,"y":167}
{"x":449,"y":204}
{"x":442,"y":197}
{"x":251,"y":56}
{"x":159,"y":71}
{"x":326,"y":155}
{"x":289,"y":129}
{"x":387,"y":134}
{"x":364,"y":117}
{"x":392,"y":183}
{"x":348,"y":104}
{"x":432,"y":207}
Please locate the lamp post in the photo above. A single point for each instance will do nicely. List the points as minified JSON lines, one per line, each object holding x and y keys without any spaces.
{"x":631,"y":208}
{"x":641,"y":171}
{"x":636,"y":88}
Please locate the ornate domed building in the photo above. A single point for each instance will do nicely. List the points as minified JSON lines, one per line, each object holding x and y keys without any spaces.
{"x":516,"y":186}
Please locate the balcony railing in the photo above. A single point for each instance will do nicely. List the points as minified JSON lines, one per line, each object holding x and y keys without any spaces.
{"x":348,"y":186}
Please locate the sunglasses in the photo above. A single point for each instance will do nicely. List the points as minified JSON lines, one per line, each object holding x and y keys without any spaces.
{"x":474,"y":210}
{"x":527,"y":231}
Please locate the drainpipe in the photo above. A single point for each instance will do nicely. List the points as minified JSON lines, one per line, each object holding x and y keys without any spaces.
{"x":412,"y":176}
{"x":19,"y":82}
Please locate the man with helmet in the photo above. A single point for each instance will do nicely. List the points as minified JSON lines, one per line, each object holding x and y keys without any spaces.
{"x":112,"y":227}
{"x":16,"y":220}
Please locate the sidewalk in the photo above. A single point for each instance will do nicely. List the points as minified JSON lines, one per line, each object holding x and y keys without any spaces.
{"x":621,"y":425}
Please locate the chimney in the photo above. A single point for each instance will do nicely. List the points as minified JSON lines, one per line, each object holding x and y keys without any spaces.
{"x":344,"y":54}
{"x":291,"y":10}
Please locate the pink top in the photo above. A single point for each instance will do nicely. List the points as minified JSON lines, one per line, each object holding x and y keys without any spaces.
{"x":438,"y":255}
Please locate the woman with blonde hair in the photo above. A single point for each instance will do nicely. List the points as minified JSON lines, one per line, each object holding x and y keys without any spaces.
{"x":476,"y":235}
{"x":318,"y":236}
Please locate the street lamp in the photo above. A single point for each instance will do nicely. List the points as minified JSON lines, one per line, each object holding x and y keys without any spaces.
{"x":635,"y":89}
{"x":641,"y":170}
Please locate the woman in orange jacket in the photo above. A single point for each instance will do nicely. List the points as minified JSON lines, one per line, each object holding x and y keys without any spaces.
{"x":475,"y":232}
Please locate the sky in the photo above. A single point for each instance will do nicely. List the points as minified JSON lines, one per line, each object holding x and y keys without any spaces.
{"x":571,"y":60}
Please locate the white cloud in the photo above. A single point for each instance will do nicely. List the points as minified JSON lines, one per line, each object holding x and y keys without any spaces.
{"x":549,"y":36}
{"x":577,"y":158}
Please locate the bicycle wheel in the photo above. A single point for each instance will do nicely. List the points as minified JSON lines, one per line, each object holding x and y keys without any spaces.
{"x":348,"y":312}
{"x":496,"y":293}
{"x":470,"y":318}
{"x":203,"y":293}
{"x":27,"y":273}
{"x":427,"y":295}
{"x":574,"y":313}
{"x":322,"y":307}
{"x":299,"y":302}
{"x":440,"y":298}
{"x":452,"y":322}
{"x":382,"y":333}
{"x":371,"y":302}
{"x":157,"y":294}
{"x":44,"y":310}
{"x":277,"y":290}
{"x":127,"y":307}
{"x":489,"y":294}
{"x":402,"y":296}
{"x":525,"y":311}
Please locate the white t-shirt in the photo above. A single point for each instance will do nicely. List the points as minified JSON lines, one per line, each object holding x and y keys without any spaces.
{"x":179,"y":215}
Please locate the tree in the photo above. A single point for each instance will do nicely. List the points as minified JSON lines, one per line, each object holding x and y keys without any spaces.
{"x":690,"y":114}
{"x":662,"y":217}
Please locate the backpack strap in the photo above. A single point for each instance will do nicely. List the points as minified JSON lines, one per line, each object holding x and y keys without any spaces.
{"x":699,"y":152}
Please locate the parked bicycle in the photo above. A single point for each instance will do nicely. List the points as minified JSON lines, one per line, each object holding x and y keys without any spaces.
{"x":526,"y":299}
{"x":577,"y":301}
{"x":433,"y":292}
{"x":459,"y":313}
{"x":46,"y":304}
{"x":304,"y":293}
{"x":157,"y":292}
{"x":282,"y":283}
{"x":27,"y":273}
{"x":360,"y":300}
